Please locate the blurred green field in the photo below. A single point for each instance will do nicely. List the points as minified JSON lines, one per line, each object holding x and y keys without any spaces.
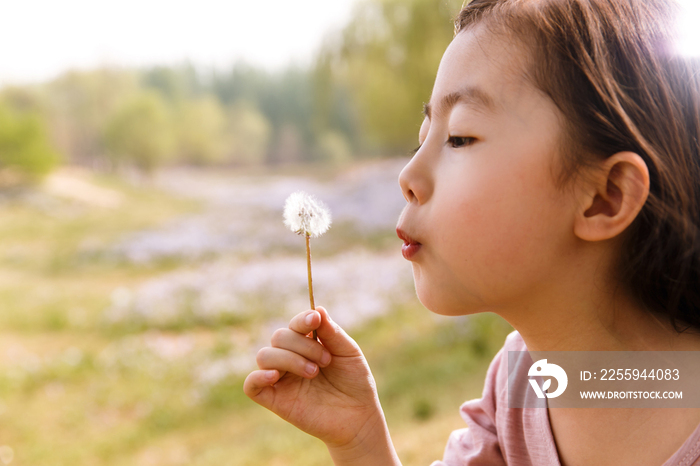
{"x":78,"y":389}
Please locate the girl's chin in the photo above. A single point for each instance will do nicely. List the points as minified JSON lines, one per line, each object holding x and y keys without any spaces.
{"x":436,"y":303}
{"x":439,"y":306}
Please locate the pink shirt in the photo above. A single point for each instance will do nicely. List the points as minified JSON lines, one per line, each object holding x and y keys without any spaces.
{"x":498,"y":435}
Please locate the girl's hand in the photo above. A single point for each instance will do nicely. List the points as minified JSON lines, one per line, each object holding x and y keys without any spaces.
{"x":324,"y":388}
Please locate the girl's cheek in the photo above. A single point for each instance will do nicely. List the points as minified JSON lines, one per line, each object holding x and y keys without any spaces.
{"x":499,"y":217}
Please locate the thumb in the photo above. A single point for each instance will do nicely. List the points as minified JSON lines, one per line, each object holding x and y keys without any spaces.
{"x":334,"y":338}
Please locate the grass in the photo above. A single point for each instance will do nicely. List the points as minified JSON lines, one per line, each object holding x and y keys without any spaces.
{"x":74,"y":390}
{"x":55,"y":271}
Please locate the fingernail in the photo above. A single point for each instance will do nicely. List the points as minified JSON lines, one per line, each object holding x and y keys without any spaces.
{"x":309,"y":318}
{"x":270,"y":375}
{"x":325,"y":358}
{"x":310,"y":369}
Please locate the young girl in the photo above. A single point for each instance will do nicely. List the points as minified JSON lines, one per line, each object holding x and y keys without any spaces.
{"x":557,"y":184}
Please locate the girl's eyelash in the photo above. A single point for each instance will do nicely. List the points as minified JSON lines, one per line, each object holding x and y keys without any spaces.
{"x":455,"y":142}
{"x":460,"y":141}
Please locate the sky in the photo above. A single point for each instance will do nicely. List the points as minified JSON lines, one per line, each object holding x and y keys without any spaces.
{"x":40,"y":39}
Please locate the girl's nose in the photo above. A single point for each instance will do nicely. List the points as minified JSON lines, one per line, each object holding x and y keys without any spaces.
{"x":415,"y":179}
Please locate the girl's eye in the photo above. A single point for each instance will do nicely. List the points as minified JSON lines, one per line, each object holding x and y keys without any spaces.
{"x":458,"y":141}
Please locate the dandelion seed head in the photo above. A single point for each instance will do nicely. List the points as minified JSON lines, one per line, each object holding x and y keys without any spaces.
{"x":306,"y":215}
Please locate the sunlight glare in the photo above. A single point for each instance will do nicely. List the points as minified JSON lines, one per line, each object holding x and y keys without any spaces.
{"x":689,"y":40}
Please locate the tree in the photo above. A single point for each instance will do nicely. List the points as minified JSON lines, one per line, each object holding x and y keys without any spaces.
{"x":24,"y":145}
{"x":200,"y":133}
{"x":79,"y":105}
{"x":248,"y":134}
{"x":284,"y":99}
{"x":332,"y":147}
{"x":175,"y":84}
{"x":140,"y":132}
{"x":387,"y":57}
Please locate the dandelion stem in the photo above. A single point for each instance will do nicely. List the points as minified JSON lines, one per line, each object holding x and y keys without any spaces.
{"x":311,"y":286}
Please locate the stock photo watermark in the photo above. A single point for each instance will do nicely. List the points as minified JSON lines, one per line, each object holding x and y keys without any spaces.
{"x":604,"y":379}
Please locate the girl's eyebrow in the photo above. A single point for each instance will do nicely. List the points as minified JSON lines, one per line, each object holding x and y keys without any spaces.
{"x":474,"y":96}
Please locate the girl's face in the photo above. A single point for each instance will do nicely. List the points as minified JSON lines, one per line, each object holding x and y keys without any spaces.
{"x":485,"y":227}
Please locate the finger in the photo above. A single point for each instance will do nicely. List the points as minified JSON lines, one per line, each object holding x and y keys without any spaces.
{"x":286,"y":361}
{"x":256,"y":383}
{"x":307,"y":347}
{"x":305,"y":322}
{"x":334,"y":338}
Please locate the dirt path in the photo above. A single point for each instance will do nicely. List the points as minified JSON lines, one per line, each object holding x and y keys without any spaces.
{"x":243,"y":214}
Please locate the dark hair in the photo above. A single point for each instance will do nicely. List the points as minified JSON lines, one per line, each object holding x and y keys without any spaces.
{"x":610,"y":67}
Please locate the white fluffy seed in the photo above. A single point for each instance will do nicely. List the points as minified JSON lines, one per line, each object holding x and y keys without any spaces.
{"x":306,"y":215}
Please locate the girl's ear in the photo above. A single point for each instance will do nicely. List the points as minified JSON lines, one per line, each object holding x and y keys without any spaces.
{"x":613,"y":197}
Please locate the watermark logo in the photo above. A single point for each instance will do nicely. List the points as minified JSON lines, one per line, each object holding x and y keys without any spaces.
{"x":604,"y":379}
{"x":544,"y":369}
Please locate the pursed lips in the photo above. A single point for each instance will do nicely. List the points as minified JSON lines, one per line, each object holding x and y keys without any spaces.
{"x":410,"y":246}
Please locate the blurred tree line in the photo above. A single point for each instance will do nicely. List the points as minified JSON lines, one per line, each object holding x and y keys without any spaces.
{"x":362,"y":97}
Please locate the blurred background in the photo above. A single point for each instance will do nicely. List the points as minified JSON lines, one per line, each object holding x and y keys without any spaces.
{"x":146,"y":150}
